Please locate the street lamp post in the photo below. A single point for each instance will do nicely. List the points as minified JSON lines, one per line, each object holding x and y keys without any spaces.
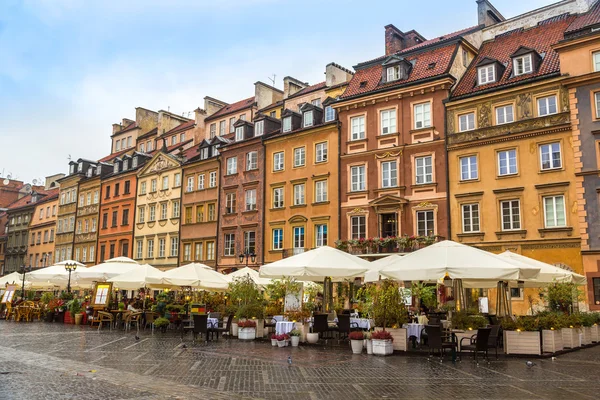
{"x":23,"y":270}
{"x":70,"y":267}
{"x":247,"y":256}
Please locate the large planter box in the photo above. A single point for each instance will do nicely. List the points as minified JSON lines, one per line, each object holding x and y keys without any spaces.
{"x":304,"y":328}
{"x":586,"y":337}
{"x":234,"y":329}
{"x":522,"y":342}
{"x":595,"y":330}
{"x":570,"y":337}
{"x":68,"y":319}
{"x":260,"y":328}
{"x":247,"y":333}
{"x":552,"y":341}
{"x":400,"y":340}
{"x":383,"y":347}
{"x":461,"y":335}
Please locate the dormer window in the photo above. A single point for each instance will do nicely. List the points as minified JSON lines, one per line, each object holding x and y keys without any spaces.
{"x":90,"y":172}
{"x":393,"y":73}
{"x":329,"y":114}
{"x":215,"y":150}
{"x":239,"y":133}
{"x":287,"y":124}
{"x":72,"y":169}
{"x":308,"y":119}
{"x":116,"y":167}
{"x":204,"y":153}
{"x":80,"y":167}
{"x":134,"y":163}
{"x":522,"y":65}
{"x":125,"y":165}
{"x":259,"y":128}
{"x":143,"y":148}
{"x":98,"y":170}
{"x":487,"y":74}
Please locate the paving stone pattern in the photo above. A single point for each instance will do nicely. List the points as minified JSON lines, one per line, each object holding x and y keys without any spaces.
{"x":55,"y":361}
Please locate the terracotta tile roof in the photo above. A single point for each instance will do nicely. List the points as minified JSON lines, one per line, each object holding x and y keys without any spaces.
{"x":426,"y":43}
{"x":308,"y":89}
{"x":231,"y":108}
{"x":273,"y":105}
{"x":151,"y":132}
{"x":586,"y":20}
{"x":427,"y":65}
{"x":181,"y":127}
{"x":110,"y":157}
{"x":26,"y":200}
{"x":539,"y":38}
{"x":128,"y":128}
{"x":170,"y":148}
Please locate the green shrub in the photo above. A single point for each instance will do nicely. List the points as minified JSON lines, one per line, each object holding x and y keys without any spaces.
{"x":462,"y":320}
{"x":46,"y":297}
{"x":588,"y":319}
{"x":161,"y":322}
{"x":551,"y":320}
{"x":74,"y":306}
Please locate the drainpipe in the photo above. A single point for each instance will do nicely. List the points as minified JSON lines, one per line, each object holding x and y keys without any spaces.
{"x":178,"y":263}
{"x":218,"y":206}
{"x":449,"y":227}
{"x":264,"y":196}
{"x":339,"y":167}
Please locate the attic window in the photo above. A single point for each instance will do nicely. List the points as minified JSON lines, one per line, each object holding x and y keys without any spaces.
{"x":125,"y":165}
{"x":393,"y":73}
{"x":98,"y":170}
{"x":287,"y":124}
{"x":204,"y":153}
{"x":116,"y":167}
{"x":134,"y":162}
{"x":80,"y":167}
{"x":363,"y":84}
{"x":239,"y":133}
{"x":522,"y":65}
{"x":486,"y":74}
{"x":431,"y":65}
{"x":90,"y":172}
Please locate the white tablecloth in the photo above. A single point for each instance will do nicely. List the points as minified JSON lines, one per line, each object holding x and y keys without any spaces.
{"x":363,"y":323}
{"x":282,"y":327}
{"x":414,"y":330}
{"x":278,"y":318}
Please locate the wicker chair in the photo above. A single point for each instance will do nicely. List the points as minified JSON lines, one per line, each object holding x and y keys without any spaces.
{"x":150,"y":317}
{"x":104,"y":316}
{"x":133,"y":318}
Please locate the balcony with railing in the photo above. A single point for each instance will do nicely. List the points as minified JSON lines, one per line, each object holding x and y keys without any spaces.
{"x":382,"y":247}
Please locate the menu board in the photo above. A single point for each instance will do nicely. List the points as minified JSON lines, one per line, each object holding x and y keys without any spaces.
{"x":102,"y":293}
{"x":8,"y":296}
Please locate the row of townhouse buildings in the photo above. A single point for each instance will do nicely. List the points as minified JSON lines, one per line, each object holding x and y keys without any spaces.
{"x":487,"y":136}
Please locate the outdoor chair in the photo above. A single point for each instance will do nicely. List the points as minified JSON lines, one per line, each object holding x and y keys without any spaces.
{"x":133,"y":318}
{"x":200,"y":326}
{"x":216,"y":315}
{"x":478,"y":343}
{"x":321,"y":326}
{"x":150,"y":317}
{"x":104,"y":316}
{"x":345,"y":326}
{"x":437,"y":341}
{"x":270,"y":326}
{"x":221,"y":331}
{"x":494,"y":340}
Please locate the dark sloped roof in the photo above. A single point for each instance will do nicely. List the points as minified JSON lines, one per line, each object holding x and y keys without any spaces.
{"x":26,"y":200}
{"x":539,"y":38}
{"x":231,"y":108}
{"x":181,"y":127}
{"x":111,"y":157}
{"x":586,"y":20}
{"x":309,"y":89}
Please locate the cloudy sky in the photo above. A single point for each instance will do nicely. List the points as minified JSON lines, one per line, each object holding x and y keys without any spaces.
{"x":71,"y":68}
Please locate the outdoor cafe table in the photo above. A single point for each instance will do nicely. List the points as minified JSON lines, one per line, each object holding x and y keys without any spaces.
{"x":362,"y":323}
{"x":210,"y":322}
{"x":282,"y":327}
{"x":414,"y":330}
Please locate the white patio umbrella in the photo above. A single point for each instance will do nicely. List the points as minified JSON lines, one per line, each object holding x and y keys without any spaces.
{"x":108,"y":269}
{"x":316,"y":265}
{"x":548,"y":273}
{"x":253,"y":274}
{"x":373,"y":274}
{"x":199,"y":276}
{"x":458,"y":261}
{"x":141,"y":276}
{"x":14,"y":278}
{"x":56,"y":272}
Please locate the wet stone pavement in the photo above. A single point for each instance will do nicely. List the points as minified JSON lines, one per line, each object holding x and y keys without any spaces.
{"x":54,"y":361}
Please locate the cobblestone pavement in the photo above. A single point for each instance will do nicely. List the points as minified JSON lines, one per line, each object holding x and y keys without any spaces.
{"x":54,"y":361}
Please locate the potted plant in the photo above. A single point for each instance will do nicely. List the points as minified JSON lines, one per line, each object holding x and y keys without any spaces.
{"x":248,"y":301}
{"x":356,"y":341}
{"x":75,"y":310}
{"x":389,"y":312}
{"x":587,"y":321}
{"x":368,"y":342}
{"x":301,"y":317}
{"x":247,"y":329}
{"x":551,"y":324}
{"x":274,"y":340}
{"x":121,"y":306}
{"x":521,"y":335}
{"x":282,"y":340}
{"x":382,"y":343}
{"x":295,"y":337}
{"x":595,"y":329}
{"x":570,"y":331}
{"x":161,"y":323}
{"x":45,"y":300}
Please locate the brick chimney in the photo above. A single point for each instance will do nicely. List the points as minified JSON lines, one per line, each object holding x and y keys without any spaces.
{"x":265,"y":95}
{"x":291,"y":86}
{"x":487,"y":14}
{"x":336,"y":74}
{"x":396,"y":40}
{"x":212,"y":105}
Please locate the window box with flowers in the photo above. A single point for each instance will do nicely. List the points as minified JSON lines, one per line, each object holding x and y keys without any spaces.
{"x":247,"y":330}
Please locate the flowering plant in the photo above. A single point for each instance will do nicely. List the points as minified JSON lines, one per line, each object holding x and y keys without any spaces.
{"x":382,"y":335}
{"x":247,"y":324}
{"x":282,"y":337}
{"x":356,"y":335}
{"x":295,"y":332}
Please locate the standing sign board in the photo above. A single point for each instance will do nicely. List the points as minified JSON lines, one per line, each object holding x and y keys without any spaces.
{"x":9,"y":294}
{"x":102,"y":294}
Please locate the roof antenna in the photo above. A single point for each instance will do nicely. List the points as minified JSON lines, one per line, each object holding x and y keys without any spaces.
{"x":272,"y":79}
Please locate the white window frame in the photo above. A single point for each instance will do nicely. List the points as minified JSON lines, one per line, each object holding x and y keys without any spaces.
{"x":471,"y":220}
{"x":174,"y":247}
{"x":388,"y":121}
{"x":329,"y":114}
{"x":466,"y":122}
{"x":523,"y":65}
{"x":550,"y":153}
{"x":300,"y":194}
{"x":514,"y":219}
{"x":165,"y":183}
{"x":250,"y":199}
{"x":278,"y":197}
{"x":357,"y":127}
{"x":321,"y":152}
{"x":358,"y":227}
{"x":161,"y":247}
{"x":358,"y":179}
{"x":232,"y":165}
{"x":212,"y":179}
{"x":321,"y":191}
{"x":421,"y":173}
{"x":507,"y":156}
{"x":201,"y":182}
{"x":422,"y":115}
{"x":308,"y":119}
{"x":231,"y":203}
{"x":392,"y":73}
{"x":545,"y":101}
{"x":239,"y":133}
{"x":277,"y":244}
{"x":597,"y":101}
{"x":190,"y":184}
{"x":321,"y":233}
{"x":229,"y":244}
{"x":299,"y":157}
{"x":164,"y":210}
{"x":552,"y":201}
{"x":287,"y":124}
{"x":299,"y":238}
{"x":471,"y":172}
{"x":251,"y":160}
{"x":278,"y":161}
{"x":389,"y":174}
{"x":259,"y":128}
{"x":486,"y":74}
{"x":502,"y":114}
{"x":423,"y":215}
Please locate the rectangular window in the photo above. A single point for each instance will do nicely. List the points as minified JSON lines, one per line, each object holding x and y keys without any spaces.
{"x":125,"y":218}
{"x":141,"y":216}
{"x":468,"y":168}
{"x":200,"y":213}
{"x":152,"y":213}
{"x":287,"y":124}
{"x":150,"y":250}
{"x":174,"y":247}
{"x":329,"y":114}
{"x":320,"y":191}
{"x":230,"y":203}
{"x":522,"y":65}
{"x":142,"y":148}
{"x":188,"y":215}
{"x":321,"y":152}
{"x":320,"y":235}
{"x":389,"y":174}
{"x":546,"y":105}
{"x":278,"y":198}
{"x":316,"y":102}
{"x":425,"y":223}
{"x":251,"y":200}
{"x":229,"y":247}
{"x":163,"y":211}
{"x":232,"y":165}
{"x":550,"y":156}
{"x":392,"y":73}
{"x":422,"y":115}
{"x":424,"y":170}
{"x":176,"y":209}
{"x":278,"y":161}
{"x":190,"y":184}
{"x":231,"y":122}
{"x":511,"y":215}
{"x":243,"y":117}
{"x":507,"y":162}
{"x":597,"y":101}
{"x":470,"y":217}
{"x":117,"y":189}
{"x":466,"y":122}
{"x":251,"y":160}
{"x":161,"y":247}
{"x":177,"y":180}
{"x":213,"y":130}
{"x":187,"y":250}
{"x":299,"y":194}
{"x":199,"y":251}
{"x":358,"y":181}
{"x":165,"y":183}
{"x":277,"y":239}
{"x":358,"y":127}
{"x":143,"y":188}
{"x":596,"y":285}
{"x":81,"y":200}
{"x":83,"y":254}
{"x":359,"y":227}
{"x":200,"y":182}
{"x":222,"y":128}
{"x":259,"y":128}
{"x":298,"y":239}
{"x":115,"y":217}
{"x":486,"y":74}
{"x":299,"y":157}
{"x":239,"y":133}
{"x":504,"y":114}
{"x":138,"y":252}
{"x":212,"y":182}
{"x":388,"y":122}
{"x":250,"y":242}
{"x":307,"y":119}
{"x":211,"y":212}
{"x":554,"y":211}
{"x":152,"y":186}
{"x":210,"y":250}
